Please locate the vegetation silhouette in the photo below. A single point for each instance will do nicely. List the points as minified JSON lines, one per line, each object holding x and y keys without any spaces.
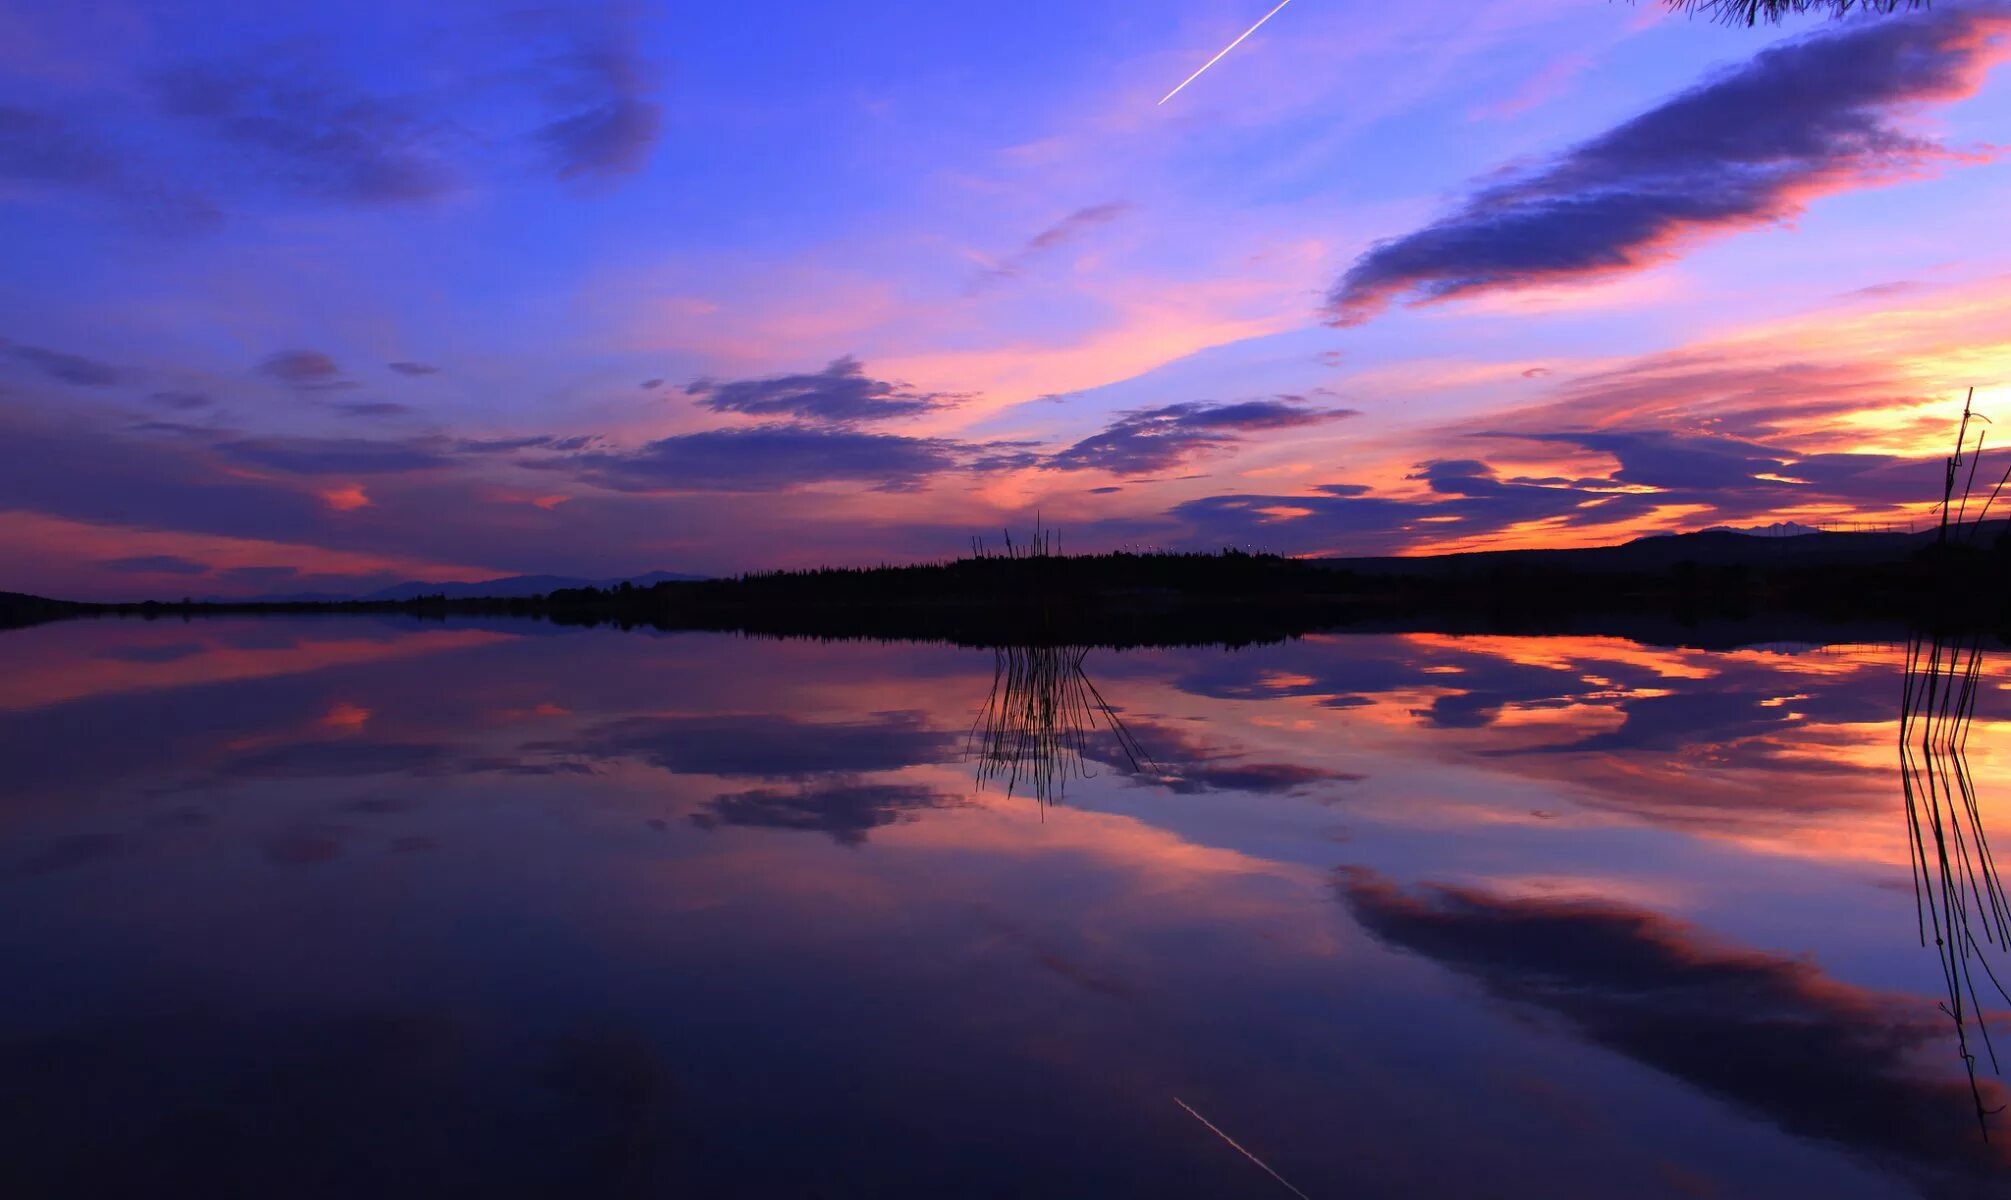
{"x":1035,"y":725}
{"x":1958,"y":892}
{"x":1772,"y":12}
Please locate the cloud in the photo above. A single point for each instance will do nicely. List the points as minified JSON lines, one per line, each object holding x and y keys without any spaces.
{"x":44,"y":148}
{"x":183,"y":401}
{"x":610,"y":122}
{"x":770,"y":458}
{"x":154,"y":564}
{"x":335,"y":456}
{"x":51,"y":151}
{"x":259,"y":576}
{"x":66,"y":368}
{"x":336,"y":759}
{"x":1068,"y":229}
{"x":845,"y":810}
{"x":766,"y":746}
{"x":312,"y":136}
{"x":1708,"y":478}
{"x":1819,"y":1058}
{"x":370,"y":408}
{"x":1155,"y":439}
{"x":533,"y":442}
{"x":840,"y":394}
{"x":1750,"y":146}
{"x":413,"y":368}
{"x":307,"y":369}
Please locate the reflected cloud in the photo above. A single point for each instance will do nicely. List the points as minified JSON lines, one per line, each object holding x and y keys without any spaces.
{"x":1187,"y":765}
{"x":846,"y":810}
{"x":1773,"y":1034}
{"x":764,"y":746}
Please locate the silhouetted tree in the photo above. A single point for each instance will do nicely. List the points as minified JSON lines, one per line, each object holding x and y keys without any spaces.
{"x":1754,"y":12}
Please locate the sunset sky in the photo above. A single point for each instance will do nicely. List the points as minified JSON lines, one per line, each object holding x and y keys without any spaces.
{"x":320,"y":297}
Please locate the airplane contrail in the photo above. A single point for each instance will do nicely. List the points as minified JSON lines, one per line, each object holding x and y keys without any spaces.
{"x":1226,"y":49}
{"x":1210,"y":1124}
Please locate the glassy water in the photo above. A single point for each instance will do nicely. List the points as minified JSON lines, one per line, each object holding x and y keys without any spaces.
{"x":339,"y":907}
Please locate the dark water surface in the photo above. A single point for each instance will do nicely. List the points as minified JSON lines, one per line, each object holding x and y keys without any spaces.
{"x":340,"y":907}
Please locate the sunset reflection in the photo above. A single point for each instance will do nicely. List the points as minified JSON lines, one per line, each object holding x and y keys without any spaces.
{"x":1274,"y":867}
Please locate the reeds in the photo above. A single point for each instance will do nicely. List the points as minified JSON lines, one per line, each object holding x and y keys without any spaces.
{"x":1045,"y":543}
{"x":1038,"y":721}
{"x":1958,"y":892}
{"x":1755,"y":12}
{"x":1954,"y":507}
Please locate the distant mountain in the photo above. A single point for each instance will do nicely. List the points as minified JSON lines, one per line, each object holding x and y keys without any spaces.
{"x":1661,"y":552}
{"x":1777,"y":529}
{"x":509,"y":586}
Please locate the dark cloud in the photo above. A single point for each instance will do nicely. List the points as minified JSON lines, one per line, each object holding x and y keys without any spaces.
{"x":336,"y":759}
{"x":1774,"y":1035}
{"x":309,"y":369}
{"x":771,"y":458}
{"x":370,"y":408}
{"x":1067,"y":229}
{"x":67,"y":368}
{"x":532,"y":442}
{"x":650,"y":385}
{"x":1156,"y":439}
{"x":151,"y":482}
{"x":846,"y":811}
{"x":840,"y":394}
{"x":610,"y":121}
{"x":155,"y":564}
{"x":183,"y":401}
{"x":766,"y":746}
{"x":312,"y":135}
{"x":335,"y":456}
{"x":259,"y":576}
{"x":53,"y":151}
{"x":413,"y":368}
{"x":42,"y":147}
{"x":1730,"y":479}
{"x":1748,"y":146}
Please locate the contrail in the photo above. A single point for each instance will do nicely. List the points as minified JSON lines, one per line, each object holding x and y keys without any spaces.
{"x":1226,"y":49}
{"x":1182,"y":1103}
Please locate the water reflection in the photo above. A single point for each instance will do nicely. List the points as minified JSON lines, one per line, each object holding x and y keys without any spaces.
{"x":1957,"y":891}
{"x":705,"y":915}
{"x":1771,"y":1033}
{"x":1037,"y":723}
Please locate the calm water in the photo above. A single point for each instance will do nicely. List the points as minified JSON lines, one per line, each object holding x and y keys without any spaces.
{"x":338,"y":907}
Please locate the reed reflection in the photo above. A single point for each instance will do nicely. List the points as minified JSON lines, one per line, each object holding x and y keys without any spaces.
{"x":1039,"y":721}
{"x":1957,"y":888}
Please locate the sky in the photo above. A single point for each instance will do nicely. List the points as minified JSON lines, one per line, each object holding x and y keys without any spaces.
{"x":317,"y":298}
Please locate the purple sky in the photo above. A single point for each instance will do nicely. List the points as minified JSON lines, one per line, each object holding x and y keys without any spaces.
{"x":319,"y":297}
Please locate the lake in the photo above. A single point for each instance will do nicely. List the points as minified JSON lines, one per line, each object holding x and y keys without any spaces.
{"x":347,"y":907}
